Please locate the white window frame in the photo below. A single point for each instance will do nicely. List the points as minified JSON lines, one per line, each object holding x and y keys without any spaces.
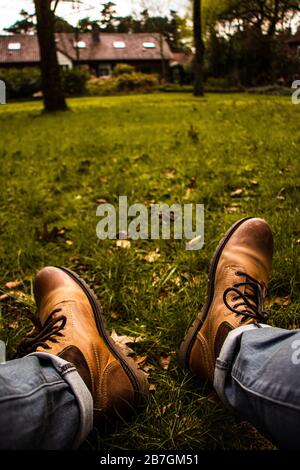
{"x":149,"y":45}
{"x":80,"y":45}
{"x":14,"y":46}
{"x":119,"y":44}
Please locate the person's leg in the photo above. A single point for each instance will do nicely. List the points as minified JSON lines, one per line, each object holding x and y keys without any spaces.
{"x":257,"y":375}
{"x":73,"y":374}
{"x":44,"y":404}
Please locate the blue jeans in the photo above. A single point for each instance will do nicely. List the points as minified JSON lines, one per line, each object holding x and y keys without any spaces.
{"x":44,"y":404}
{"x":257,"y":375}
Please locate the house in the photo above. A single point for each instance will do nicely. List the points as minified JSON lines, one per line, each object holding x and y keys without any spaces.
{"x":101,"y":52}
{"x":293,"y":43}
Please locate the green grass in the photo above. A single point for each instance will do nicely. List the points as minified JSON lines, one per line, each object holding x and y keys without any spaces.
{"x":152,"y":148}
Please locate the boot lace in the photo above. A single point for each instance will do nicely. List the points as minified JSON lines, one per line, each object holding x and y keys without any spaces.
{"x":251,"y":299}
{"x":48,"y":333}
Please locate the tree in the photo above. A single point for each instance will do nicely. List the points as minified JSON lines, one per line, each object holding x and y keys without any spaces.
{"x":25,"y":25}
{"x":199,"y":49}
{"x":62,"y":26}
{"x":108,"y":17}
{"x":53,"y":95}
{"x":266,"y":16}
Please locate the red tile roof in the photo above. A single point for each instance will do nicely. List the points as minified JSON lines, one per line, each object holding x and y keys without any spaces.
{"x":101,"y":51}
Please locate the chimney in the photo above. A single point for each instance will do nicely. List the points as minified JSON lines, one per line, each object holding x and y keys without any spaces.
{"x":95,"y":33}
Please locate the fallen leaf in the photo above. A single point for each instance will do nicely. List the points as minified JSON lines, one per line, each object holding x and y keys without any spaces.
{"x":101,"y":201}
{"x":115,"y":315}
{"x":123,"y":340}
{"x":139,"y":360}
{"x":298,"y":241}
{"x":170,"y":173}
{"x":152,"y":256}
{"x":282,"y":301}
{"x":231,"y":210}
{"x":194,"y":242}
{"x":123,"y":243}
{"x":4,"y":297}
{"x":101,"y":179}
{"x":254,"y":183}
{"x":148,"y":367}
{"x":13,"y":284}
{"x":152,"y":388}
{"x":165,"y":360}
{"x":237,"y":192}
{"x":69,"y":242}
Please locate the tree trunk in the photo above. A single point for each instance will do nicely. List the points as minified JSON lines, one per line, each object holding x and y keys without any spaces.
{"x":199,"y":49}
{"x":53,"y":95}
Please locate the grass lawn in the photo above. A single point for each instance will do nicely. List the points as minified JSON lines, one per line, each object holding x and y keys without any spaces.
{"x":55,"y":170}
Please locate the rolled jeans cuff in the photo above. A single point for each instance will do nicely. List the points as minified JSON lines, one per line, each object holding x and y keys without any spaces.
{"x":81,"y":393}
{"x":226,"y":358}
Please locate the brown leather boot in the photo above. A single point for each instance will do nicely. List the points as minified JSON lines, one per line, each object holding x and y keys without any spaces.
{"x":73,"y":329}
{"x":238,"y":279}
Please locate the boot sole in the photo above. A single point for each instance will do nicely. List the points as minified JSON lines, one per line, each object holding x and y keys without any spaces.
{"x":136,"y":376}
{"x":191,"y":335}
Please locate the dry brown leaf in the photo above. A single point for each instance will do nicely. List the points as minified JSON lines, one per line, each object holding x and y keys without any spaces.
{"x":123,"y":340}
{"x":170,"y":173}
{"x":13,"y":284}
{"x":148,"y":367}
{"x":237,"y":192}
{"x":152,"y":388}
{"x":282,"y":301}
{"x":231,"y":210}
{"x":139,"y":360}
{"x":194,"y":242}
{"x":101,"y":201}
{"x":165,"y":360}
{"x":115,"y":315}
{"x":152,"y":256}
{"x":101,"y":179}
{"x":123,"y":243}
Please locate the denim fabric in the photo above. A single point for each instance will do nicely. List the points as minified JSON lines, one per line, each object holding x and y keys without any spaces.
{"x":258,"y":376}
{"x":38,"y":407}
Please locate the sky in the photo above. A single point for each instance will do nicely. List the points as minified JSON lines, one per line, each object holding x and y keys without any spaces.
{"x":9,"y":9}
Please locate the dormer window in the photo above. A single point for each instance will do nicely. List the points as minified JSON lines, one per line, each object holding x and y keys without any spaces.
{"x":14,"y":46}
{"x":149,"y":45}
{"x":80,"y":44}
{"x":119,"y":44}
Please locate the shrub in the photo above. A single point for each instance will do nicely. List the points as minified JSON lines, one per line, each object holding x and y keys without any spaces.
{"x":125,"y":83}
{"x":21,"y":83}
{"x":74,"y":81}
{"x":121,"y":69}
{"x":101,"y":87}
{"x":137,"y":81}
